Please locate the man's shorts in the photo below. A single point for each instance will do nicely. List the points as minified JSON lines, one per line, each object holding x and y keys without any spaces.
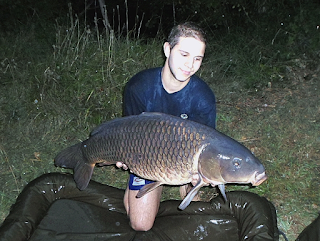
{"x":136,"y":183}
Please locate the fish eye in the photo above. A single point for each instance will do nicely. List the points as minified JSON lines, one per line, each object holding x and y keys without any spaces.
{"x":237,"y":163}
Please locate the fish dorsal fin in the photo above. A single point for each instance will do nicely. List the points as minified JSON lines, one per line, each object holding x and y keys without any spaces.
{"x":186,"y":201}
{"x":148,"y":188}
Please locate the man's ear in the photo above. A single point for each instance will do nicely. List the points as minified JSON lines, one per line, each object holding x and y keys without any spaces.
{"x":166,"y":49}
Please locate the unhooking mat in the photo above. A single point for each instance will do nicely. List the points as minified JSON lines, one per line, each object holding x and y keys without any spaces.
{"x":311,"y":232}
{"x":52,"y":208}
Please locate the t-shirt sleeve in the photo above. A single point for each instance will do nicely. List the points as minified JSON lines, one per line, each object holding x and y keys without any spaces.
{"x":139,"y":91}
{"x":205,"y":112}
{"x":133,"y":103}
{"x":204,"y":104}
{"x":208,"y":115}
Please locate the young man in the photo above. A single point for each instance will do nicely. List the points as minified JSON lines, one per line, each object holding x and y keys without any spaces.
{"x":172,"y":89}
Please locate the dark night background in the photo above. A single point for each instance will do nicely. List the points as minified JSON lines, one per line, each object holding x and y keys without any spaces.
{"x":278,"y":30}
{"x":154,"y":17}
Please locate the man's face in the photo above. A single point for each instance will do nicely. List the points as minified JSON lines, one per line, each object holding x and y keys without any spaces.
{"x":185,"y":58}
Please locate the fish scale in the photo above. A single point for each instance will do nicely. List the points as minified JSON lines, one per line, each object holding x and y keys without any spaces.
{"x":165,"y":149}
{"x":132,"y":136}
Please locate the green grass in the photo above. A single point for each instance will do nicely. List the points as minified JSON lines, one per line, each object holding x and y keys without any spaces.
{"x":53,"y":94}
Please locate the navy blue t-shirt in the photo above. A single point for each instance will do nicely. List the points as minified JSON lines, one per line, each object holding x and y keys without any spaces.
{"x":144,"y":93}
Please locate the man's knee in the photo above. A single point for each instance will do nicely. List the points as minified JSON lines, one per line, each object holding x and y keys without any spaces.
{"x":141,"y":226}
{"x":142,"y":211}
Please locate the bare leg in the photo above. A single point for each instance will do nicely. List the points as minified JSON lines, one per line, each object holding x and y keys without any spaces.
{"x":142,"y":211}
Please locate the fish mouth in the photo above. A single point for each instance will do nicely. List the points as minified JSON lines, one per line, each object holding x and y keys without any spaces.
{"x":259,"y":178}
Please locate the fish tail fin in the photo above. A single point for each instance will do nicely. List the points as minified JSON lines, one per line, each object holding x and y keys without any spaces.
{"x":73,"y":158}
{"x":82,"y":174}
{"x":69,"y":157}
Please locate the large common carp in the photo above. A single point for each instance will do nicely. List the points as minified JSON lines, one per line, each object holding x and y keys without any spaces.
{"x":165,"y":149}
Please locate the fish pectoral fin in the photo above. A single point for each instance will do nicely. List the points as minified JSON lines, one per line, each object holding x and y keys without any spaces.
{"x":223,"y":191}
{"x":187,"y":200}
{"x":148,"y":188}
{"x":82,"y":174}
